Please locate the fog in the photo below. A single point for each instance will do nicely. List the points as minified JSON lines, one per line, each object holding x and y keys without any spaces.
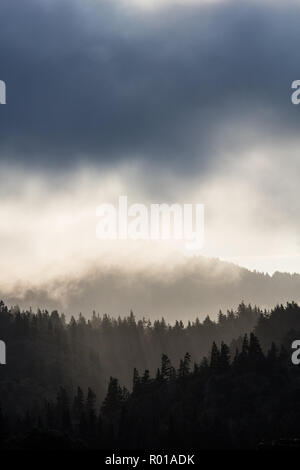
{"x":51,"y":257}
{"x":161,"y":101}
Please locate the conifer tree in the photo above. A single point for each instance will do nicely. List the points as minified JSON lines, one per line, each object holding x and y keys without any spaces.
{"x":78,"y":403}
{"x":224,"y":357}
{"x":255,"y":351}
{"x":166,"y":367}
{"x":146,"y":377}
{"x":136,"y":380}
{"x":215,"y":358}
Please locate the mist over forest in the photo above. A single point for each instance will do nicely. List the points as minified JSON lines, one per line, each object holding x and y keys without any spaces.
{"x":87,"y":383}
{"x":194,"y":288}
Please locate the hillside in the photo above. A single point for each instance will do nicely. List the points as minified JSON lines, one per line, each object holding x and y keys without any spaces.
{"x":195,"y":287}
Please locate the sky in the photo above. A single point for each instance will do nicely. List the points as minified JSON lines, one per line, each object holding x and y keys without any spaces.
{"x":162,"y":101}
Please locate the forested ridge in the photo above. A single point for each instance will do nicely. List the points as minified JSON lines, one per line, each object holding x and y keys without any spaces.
{"x":105,"y":382}
{"x":45,"y":351}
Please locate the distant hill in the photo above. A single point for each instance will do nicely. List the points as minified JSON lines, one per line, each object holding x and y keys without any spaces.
{"x":195,"y":287}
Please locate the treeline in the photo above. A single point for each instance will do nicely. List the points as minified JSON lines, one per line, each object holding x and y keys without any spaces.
{"x":46,"y":351}
{"x":220,"y":402}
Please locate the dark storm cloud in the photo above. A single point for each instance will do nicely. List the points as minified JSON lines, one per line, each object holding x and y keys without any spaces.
{"x":95,"y":81}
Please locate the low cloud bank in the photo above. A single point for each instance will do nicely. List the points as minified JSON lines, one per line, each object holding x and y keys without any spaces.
{"x":196,"y":287}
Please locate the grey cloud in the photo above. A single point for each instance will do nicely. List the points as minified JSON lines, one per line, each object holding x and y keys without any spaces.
{"x":98,"y":83}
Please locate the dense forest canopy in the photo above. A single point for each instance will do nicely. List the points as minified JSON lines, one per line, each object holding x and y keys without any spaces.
{"x":45,"y":351}
{"x":178,"y":377}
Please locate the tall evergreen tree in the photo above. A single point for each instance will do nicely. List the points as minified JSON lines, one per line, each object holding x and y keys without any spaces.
{"x":215,"y":358}
{"x":224,"y":357}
